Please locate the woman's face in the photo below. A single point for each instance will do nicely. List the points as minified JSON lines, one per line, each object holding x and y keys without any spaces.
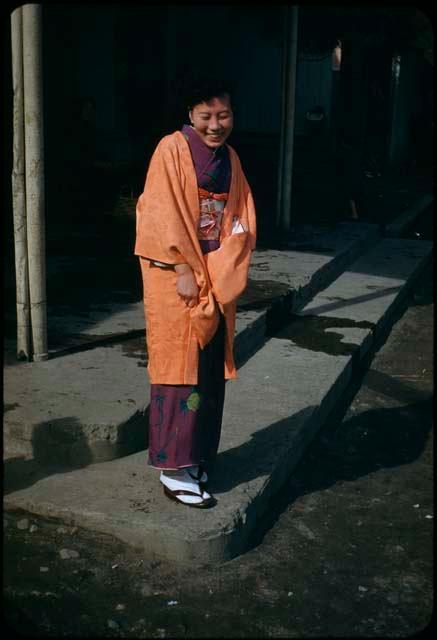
{"x":213,"y":120}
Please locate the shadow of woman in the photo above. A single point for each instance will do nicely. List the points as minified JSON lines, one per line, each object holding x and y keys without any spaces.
{"x":373,"y":441}
{"x":368,"y":442}
{"x":259,"y":456}
{"x":298,"y":462}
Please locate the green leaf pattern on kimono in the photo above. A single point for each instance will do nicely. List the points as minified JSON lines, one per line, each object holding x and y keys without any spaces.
{"x":191,"y":403}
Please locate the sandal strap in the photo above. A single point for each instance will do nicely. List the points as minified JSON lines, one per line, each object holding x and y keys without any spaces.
{"x":173,"y":495}
{"x":185,"y":492}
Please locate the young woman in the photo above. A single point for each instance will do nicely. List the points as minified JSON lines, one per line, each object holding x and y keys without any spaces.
{"x":195,"y":233}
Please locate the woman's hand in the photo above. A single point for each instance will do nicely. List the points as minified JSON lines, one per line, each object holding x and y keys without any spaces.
{"x":186,"y":285}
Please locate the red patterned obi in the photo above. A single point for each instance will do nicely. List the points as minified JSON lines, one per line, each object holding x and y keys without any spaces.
{"x":211,"y":213}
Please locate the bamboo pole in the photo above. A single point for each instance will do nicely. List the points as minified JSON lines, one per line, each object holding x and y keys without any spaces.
{"x":34,"y":162}
{"x":19,"y":190}
{"x":285,"y":176}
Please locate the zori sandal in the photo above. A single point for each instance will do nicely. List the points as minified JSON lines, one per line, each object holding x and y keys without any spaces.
{"x":178,"y":496}
{"x":181,"y":487}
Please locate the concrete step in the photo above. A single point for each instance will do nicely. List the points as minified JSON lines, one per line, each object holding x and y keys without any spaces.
{"x":90,"y":405}
{"x":273,"y":411}
{"x":323,"y":253}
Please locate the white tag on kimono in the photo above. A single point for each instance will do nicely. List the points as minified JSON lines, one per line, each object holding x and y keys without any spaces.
{"x":237,"y":227}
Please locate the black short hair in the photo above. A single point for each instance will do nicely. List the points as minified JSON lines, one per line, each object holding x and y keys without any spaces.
{"x":202,"y":88}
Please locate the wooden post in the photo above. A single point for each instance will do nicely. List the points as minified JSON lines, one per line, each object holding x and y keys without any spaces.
{"x":19,"y":190}
{"x":285,"y":173}
{"x":34,"y":162}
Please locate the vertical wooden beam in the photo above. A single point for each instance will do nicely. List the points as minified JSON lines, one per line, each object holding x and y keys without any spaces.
{"x":34,"y":170}
{"x":285,"y":172}
{"x":19,"y":190}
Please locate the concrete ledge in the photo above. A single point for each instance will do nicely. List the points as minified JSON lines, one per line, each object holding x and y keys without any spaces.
{"x":90,"y":405}
{"x":367,"y":290}
{"x":124,"y":498}
{"x":273,"y":411}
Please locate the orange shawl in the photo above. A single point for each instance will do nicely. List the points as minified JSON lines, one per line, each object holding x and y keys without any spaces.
{"x":166,"y":231}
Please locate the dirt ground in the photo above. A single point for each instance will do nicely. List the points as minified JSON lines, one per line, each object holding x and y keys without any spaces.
{"x":345,"y":551}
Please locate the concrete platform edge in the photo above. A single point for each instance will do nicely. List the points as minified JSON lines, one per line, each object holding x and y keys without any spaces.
{"x":127,"y":436}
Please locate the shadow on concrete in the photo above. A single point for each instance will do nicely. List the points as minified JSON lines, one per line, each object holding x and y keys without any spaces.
{"x":61,"y":446}
{"x":58,"y":446}
{"x":341,"y":303}
{"x":90,"y":268}
{"x":257,"y":456}
{"x":395,"y":434}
